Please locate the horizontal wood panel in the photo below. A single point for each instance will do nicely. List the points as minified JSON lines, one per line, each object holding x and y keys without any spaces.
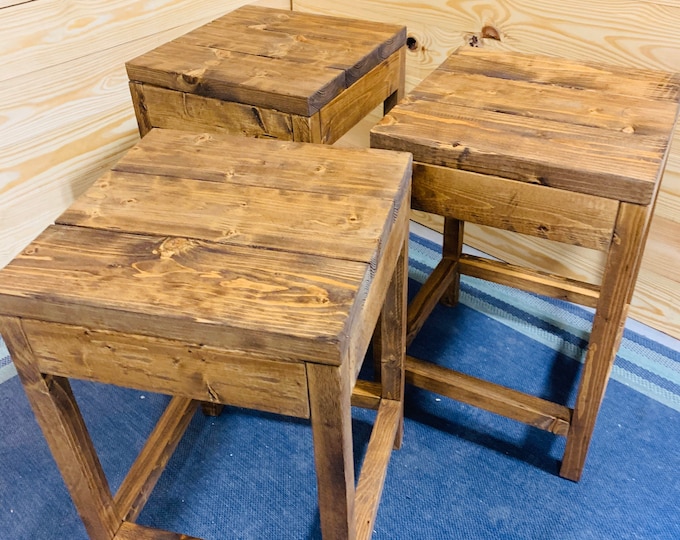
{"x":629,"y":33}
{"x":564,"y":216}
{"x":170,"y":367}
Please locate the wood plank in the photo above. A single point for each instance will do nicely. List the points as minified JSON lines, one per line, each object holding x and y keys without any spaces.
{"x":132,"y":531}
{"x":515,"y":147}
{"x":374,"y":467}
{"x":366,"y":394}
{"x":178,"y":110}
{"x":497,"y":399}
{"x":559,"y":74}
{"x":212,"y":285}
{"x":171,"y":367}
{"x":232,"y":214}
{"x":341,"y":172}
{"x":546,"y":212}
{"x":234,"y":76}
{"x":138,"y":484}
{"x":43,"y":34}
{"x":303,"y":38}
{"x":645,"y":112}
{"x":428,"y":296}
{"x":343,"y":112}
{"x":525,"y":279}
{"x":330,"y":398}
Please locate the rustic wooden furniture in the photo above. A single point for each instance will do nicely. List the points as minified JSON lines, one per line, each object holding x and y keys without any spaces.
{"x":265,"y":72}
{"x":565,"y":151}
{"x":222,"y":269}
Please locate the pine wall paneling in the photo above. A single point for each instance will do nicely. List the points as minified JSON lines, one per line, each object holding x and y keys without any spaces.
{"x":65,"y":109}
{"x":637,"y":33}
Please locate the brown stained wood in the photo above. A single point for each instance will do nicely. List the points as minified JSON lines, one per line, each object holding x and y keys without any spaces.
{"x":374,"y":467}
{"x":140,"y":480}
{"x":545,"y":101}
{"x":132,"y":531}
{"x":498,"y":399}
{"x":347,"y":109}
{"x":622,"y":265}
{"x":234,"y":76}
{"x":362,"y":322}
{"x":306,"y":128}
{"x":366,"y":394}
{"x":428,"y":296}
{"x":248,"y":56}
{"x":452,"y":248}
{"x":553,"y":214}
{"x":144,"y":124}
{"x":573,"y":75}
{"x":329,"y":400}
{"x":239,"y":215}
{"x":58,"y":415}
{"x":267,"y":164}
{"x":185,"y":111}
{"x":287,"y":304}
{"x":518,"y":148}
{"x":529,"y":280}
{"x":170,"y":367}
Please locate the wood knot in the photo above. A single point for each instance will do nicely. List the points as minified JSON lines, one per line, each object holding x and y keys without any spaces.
{"x":489,"y":32}
{"x":629,"y":130}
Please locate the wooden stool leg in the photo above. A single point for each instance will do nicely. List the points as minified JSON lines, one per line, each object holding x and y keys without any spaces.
{"x":623,"y":262}
{"x":452,"y":249}
{"x":444,"y":281}
{"x":62,"y":424}
{"x":398,"y":94}
{"x":211,"y":409}
{"x":329,"y":396}
{"x":393,"y":338}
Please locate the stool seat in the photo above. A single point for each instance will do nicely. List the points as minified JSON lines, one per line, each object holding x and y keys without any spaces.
{"x":566,"y":151}
{"x":226,"y":270}
{"x":270,"y":73}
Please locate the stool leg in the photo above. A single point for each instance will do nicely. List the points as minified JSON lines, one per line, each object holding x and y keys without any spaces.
{"x":63,"y":427}
{"x":398,"y":94}
{"x":452,"y":249}
{"x":329,"y":396}
{"x":623,"y":262}
{"x":392,"y":334}
{"x":211,"y":409}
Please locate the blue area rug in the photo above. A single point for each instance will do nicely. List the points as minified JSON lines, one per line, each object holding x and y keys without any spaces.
{"x":462,"y":472}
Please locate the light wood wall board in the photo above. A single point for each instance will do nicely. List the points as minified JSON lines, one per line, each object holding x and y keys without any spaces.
{"x":636,"y":33}
{"x":65,"y":109}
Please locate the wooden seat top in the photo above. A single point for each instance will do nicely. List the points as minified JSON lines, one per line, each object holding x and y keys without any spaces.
{"x":289,"y":61}
{"x":582,"y":127}
{"x":218,"y":240}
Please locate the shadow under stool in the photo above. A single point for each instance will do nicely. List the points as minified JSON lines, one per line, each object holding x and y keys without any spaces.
{"x":562,"y":150}
{"x":272,"y":73}
{"x":221,"y":269}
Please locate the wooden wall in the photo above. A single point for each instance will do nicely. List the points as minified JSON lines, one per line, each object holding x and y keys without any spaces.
{"x":638,"y":33}
{"x":65,"y":109}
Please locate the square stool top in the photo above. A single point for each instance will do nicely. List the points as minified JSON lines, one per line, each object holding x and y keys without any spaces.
{"x":262,"y":246}
{"x":582,"y":127}
{"x":277,"y":59}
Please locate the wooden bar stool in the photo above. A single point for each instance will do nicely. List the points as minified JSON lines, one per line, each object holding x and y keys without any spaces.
{"x":570,"y":152}
{"x":272,"y":73}
{"x":229,"y":270}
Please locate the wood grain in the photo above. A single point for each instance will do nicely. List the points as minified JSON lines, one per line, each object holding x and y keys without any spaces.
{"x":627,"y":33}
